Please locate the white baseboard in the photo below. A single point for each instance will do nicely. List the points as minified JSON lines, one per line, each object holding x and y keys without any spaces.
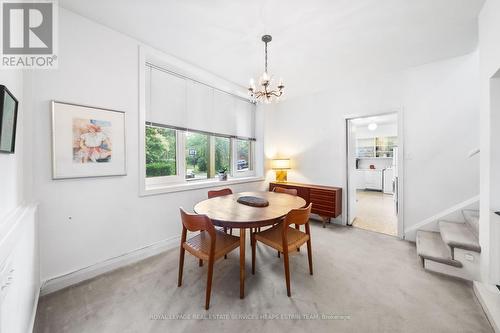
{"x":66,"y":280}
{"x":489,"y":297}
{"x":428,"y":223}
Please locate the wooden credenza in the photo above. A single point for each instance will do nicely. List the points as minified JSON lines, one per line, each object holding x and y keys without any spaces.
{"x":326,"y":200}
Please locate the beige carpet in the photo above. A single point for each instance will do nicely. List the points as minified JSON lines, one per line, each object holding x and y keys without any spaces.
{"x":375,"y":212}
{"x":371,"y":282}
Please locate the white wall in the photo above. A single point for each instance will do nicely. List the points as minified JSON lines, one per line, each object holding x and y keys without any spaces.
{"x":97,"y":66}
{"x":18,"y":225}
{"x":11,"y":165}
{"x":489,"y":50}
{"x":441,"y":125}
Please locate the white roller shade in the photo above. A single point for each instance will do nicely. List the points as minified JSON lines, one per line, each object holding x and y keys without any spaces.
{"x":245,"y":118}
{"x":180,"y":102}
{"x":200,"y":103}
{"x":224,"y":115}
{"x":167,"y":99}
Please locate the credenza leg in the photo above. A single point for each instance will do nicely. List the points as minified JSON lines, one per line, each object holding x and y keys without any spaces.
{"x":325,"y":219}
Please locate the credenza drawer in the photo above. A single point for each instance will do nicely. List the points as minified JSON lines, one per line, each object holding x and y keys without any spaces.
{"x":328,"y":207}
{"x":322,"y":193}
{"x":316,"y":205}
{"x":322,"y":198}
{"x":326,"y":200}
{"x":322,"y":212}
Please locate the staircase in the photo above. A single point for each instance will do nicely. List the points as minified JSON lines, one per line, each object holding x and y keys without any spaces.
{"x":454,"y":249}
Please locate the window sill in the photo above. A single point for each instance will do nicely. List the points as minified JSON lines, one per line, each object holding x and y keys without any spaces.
{"x":194,"y":185}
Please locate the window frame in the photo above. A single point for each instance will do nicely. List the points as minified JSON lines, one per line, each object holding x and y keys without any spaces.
{"x":184,"y":171}
{"x":213,"y":148}
{"x":179,"y":163}
{"x":251,"y":152}
{"x":180,"y":176}
{"x":177,"y":183}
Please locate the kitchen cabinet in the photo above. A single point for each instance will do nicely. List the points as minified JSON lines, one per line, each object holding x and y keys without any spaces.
{"x":359,"y":179}
{"x":370,"y":179}
{"x":384,"y":146}
{"x":377,"y":147}
{"x":365,"y":147}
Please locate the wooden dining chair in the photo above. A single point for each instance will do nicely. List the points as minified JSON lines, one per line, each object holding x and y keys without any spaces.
{"x":284,"y":238}
{"x":220,"y":193}
{"x":276,"y":189}
{"x":210,"y":244}
{"x":291,"y":191}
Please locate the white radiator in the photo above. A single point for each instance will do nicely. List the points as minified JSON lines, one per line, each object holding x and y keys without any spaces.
{"x":19,"y":271}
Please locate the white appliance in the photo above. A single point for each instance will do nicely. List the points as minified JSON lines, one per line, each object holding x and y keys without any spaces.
{"x":395,"y":185}
{"x":388,"y":180}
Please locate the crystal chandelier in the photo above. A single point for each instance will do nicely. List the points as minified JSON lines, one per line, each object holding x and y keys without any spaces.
{"x":265,"y":94}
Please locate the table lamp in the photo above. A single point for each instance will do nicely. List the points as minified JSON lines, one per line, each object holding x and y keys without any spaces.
{"x":280,"y":165}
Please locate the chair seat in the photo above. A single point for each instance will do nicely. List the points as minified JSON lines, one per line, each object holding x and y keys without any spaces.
{"x":273,"y":237}
{"x":199,"y":245}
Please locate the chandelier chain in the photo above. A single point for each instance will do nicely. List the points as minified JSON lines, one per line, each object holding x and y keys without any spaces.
{"x":266,"y":58}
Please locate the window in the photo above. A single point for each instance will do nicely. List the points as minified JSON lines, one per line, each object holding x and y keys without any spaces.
{"x":222,"y":154}
{"x":174,"y":156}
{"x":160,"y":152}
{"x":197,"y":153}
{"x":193,"y":131}
{"x":243,"y":155}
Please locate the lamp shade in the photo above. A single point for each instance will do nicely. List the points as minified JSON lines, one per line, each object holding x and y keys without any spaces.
{"x":280,"y":164}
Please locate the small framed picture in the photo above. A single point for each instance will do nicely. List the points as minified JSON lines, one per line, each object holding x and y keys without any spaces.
{"x":87,"y":141}
{"x":8,"y":120}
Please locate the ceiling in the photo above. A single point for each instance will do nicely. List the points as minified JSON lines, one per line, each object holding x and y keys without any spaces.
{"x":314,"y":42}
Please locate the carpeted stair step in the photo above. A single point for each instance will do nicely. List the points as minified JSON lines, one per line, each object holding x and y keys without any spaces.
{"x":430,"y":246}
{"x":471,"y":217}
{"x":459,"y":235}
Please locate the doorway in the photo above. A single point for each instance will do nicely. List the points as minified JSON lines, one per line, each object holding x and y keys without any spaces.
{"x":373,"y":173}
{"x":494,"y":165}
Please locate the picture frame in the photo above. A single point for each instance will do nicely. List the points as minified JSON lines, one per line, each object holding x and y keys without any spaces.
{"x":87,"y":141}
{"x":8,"y":120}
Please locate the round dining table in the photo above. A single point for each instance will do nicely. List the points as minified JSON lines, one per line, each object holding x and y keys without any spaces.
{"x":225,"y":211}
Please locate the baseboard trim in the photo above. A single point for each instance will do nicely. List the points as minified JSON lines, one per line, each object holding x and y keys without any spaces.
{"x":462,"y":205}
{"x":89,"y":272}
{"x":490,"y":301}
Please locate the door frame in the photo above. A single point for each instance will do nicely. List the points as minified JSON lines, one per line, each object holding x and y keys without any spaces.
{"x":401,"y":169}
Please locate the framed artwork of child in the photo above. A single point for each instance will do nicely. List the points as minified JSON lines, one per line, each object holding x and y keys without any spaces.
{"x":87,"y":141}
